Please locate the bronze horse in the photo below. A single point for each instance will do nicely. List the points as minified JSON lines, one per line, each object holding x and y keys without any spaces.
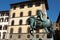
{"x":39,"y":22}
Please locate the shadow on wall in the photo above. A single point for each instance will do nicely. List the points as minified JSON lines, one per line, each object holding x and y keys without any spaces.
{"x":57,"y":34}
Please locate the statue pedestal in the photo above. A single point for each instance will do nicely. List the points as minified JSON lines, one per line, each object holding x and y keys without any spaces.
{"x":42,"y":36}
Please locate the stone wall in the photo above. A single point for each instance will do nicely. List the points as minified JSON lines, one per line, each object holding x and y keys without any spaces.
{"x":27,"y":36}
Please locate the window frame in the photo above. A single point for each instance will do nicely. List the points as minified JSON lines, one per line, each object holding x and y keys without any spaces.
{"x":21,"y":14}
{"x":20,"y":22}
{"x":13,"y":15}
{"x":28,"y":30}
{"x":11,"y":30}
{"x":12,"y":23}
{"x":20,"y":30}
{"x":29,"y":13}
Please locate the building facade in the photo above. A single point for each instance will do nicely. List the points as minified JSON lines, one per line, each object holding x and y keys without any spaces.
{"x":57,"y":31}
{"x":58,"y":20}
{"x":18,"y":23}
{"x":19,"y":28}
{"x":55,"y":26}
{"x":4,"y":16}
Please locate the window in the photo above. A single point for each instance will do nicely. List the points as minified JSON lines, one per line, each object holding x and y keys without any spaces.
{"x":37,"y":36}
{"x":37,"y":4}
{"x":0,"y":27}
{"x":21,"y":14}
{"x":57,"y":24}
{"x":19,"y":36}
{"x":13,"y":15}
{"x":14,"y":7}
{"x":10,"y":36}
{"x":49,"y":35}
{"x":19,"y":30}
{"x":6,"y":19}
{"x":7,"y":14}
{"x":30,"y":5}
{"x":40,"y":39}
{"x":11,"y":30}
{"x":37,"y":12}
{"x":12,"y":23}
{"x":2,"y":19}
{"x":28,"y":21}
{"x":37,"y":31}
{"x":1,"y":14}
{"x":4,"y":35}
{"x":5,"y":27}
{"x":28,"y":30}
{"x":28,"y":36}
{"x":20,"y":22}
{"x":22,"y":6}
{"x":29,"y":13}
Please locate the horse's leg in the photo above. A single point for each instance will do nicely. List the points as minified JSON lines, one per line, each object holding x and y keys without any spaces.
{"x":51,"y":30}
{"x":32,"y":28}
{"x":46,"y":29}
{"x":32,"y":32}
{"x":43,"y":35}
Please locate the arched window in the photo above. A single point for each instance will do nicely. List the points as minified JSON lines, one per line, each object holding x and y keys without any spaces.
{"x":29,"y":13}
{"x":19,"y":36}
{"x":28,"y":21}
{"x":11,"y":30}
{"x":0,"y":27}
{"x":6,"y":20}
{"x":37,"y":36}
{"x":28,"y":36}
{"x":14,"y":7}
{"x":4,"y":35}
{"x":20,"y":22}
{"x":12,"y":23}
{"x":21,"y":14}
{"x":5,"y":27}
{"x":13,"y":15}
{"x":19,"y":30}
{"x":28,"y":30}
{"x":2,"y":19}
{"x":37,"y":31}
{"x":49,"y":35}
{"x":37,"y":12}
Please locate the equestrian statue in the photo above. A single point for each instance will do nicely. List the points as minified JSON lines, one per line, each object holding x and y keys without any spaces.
{"x":41,"y":23}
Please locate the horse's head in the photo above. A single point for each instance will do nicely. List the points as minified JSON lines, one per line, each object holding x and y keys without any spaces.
{"x":32,"y":17}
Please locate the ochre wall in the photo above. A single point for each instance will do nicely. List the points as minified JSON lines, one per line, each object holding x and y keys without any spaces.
{"x":24,"y":18}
